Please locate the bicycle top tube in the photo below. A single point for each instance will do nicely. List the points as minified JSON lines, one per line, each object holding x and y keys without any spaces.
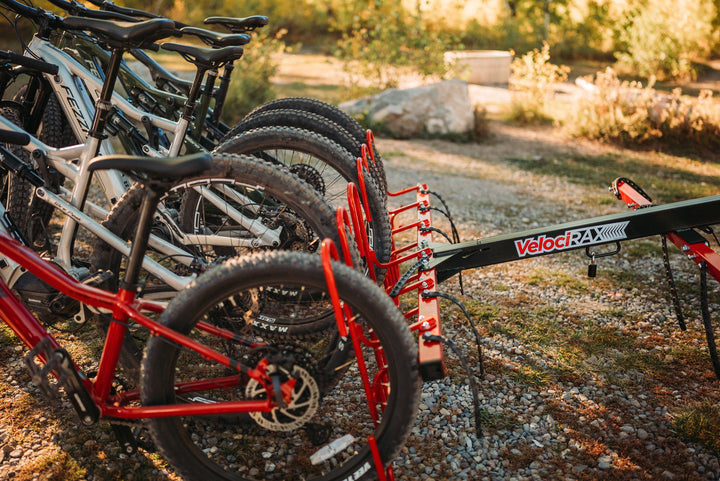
{"x":74,"y":83}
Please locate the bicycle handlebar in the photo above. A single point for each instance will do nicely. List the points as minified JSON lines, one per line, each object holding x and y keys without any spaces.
{"x":31,"y":63}
{"x":77,"y":9}
{"x":36,"y":14}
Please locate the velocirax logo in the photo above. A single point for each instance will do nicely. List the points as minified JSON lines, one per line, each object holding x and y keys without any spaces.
{"x":572,"y":239}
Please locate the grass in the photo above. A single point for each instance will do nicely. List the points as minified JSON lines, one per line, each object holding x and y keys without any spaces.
{"x":59,"y":466}
{"x":700,"y":423}
{"x":665,"y":182}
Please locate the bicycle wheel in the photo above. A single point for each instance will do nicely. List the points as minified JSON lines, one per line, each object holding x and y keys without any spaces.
{"x":325,"y":166}
{"x":334,"y":114}
{"x":278,"y":212}
{"x":292,"y":442}
{"x":279,"y":117}
{"x":31,"y":214}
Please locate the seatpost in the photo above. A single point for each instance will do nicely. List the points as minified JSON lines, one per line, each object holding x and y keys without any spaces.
{"x":189,"y":109}
{"x":204,"y":103}
{"x":221,"y":92}
{"x":104,"y":104}
{"x":140,"y":241}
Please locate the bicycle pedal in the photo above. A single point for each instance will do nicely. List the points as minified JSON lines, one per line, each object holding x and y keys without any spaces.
{"x":98,"y":279}
{"x":38,"y":372}
{"x":59,"y":362}
{"x":125,"y":437}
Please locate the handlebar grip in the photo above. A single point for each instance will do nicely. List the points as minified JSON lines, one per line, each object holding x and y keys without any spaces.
{"x":31,"y":12}
{"x":32,"y":63}
{"x":14,"y":137}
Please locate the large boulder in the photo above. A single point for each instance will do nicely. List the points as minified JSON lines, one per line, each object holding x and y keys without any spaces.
{"x":438,"y":109}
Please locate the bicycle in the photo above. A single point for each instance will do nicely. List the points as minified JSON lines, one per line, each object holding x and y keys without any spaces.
{"x":211,"y":391}
{"x":222,"y":175}
{"x":114,"y":185}
{"x":333,"y":124}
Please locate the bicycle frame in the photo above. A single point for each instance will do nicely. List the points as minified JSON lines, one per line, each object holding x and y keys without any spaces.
{"x":70,"y":85}
{"x":124,"y":307}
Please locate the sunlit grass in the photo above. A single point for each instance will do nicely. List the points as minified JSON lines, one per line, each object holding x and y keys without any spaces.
{"x":700,"y":423}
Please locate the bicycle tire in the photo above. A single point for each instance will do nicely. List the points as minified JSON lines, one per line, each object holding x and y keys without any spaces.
{"x":335,"y":114}
{"x":278,"y":446}
{"x":16,"y":192}
{"x":329,"y":163}
{"x":31,"y":214}
{"x":313,"y":122}
{"x":55,"y":131}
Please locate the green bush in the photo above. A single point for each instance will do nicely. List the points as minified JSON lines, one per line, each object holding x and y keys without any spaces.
{"x":531,"y":79}
{"x":663,"y":37}
{"x":379,"y":37}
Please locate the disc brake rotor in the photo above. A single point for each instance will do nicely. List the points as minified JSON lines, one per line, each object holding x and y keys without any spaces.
{"x":299,"y":411}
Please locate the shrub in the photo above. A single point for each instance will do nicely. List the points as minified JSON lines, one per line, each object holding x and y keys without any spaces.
{"x":664,"y":37}
{"x":627,"y":113}
{"x":531,"y":79}
{"x":382,"y":36}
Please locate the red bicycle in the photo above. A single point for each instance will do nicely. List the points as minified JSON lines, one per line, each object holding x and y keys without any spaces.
{"x":219,"y":401}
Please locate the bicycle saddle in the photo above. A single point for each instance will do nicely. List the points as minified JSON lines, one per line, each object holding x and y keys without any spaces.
{"x":124,"y":34}
{"x":160,"y":168}
{"x":215,"y":39}
{"x":240,"y":24}
{"x":204,"y":57}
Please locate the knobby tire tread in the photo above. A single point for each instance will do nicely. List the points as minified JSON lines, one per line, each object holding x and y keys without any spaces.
{"x":334,"y":114}
{"x":281,"y":184}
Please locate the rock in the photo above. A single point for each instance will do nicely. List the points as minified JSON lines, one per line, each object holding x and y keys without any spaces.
{"x":437,"y":109}
{"x":642,"y":434}
{"x":604,"y":462}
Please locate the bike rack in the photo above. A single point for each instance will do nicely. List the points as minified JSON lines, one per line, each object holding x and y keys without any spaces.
{"x":694,"y":245}
{"x":413,"y":257}
{"x":420,"y":265}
